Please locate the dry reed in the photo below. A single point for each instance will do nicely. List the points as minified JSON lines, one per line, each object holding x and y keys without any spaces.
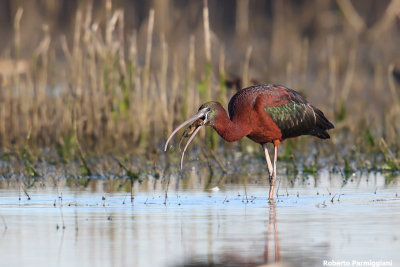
{"x":126,"y":87}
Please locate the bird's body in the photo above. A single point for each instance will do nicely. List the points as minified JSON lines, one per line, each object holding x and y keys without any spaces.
{"x":275,"y":112}
{"x":264,"y":113}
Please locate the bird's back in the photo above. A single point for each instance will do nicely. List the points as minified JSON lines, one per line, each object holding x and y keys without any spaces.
{"x":246,"y":96}
{"x":289,"y":111}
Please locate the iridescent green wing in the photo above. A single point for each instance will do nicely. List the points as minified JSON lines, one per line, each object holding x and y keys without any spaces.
{"x":293,"y":118}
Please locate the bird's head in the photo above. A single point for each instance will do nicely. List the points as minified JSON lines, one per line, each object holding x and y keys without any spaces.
{"x":212,"y":108}
{"x":205,"y":116}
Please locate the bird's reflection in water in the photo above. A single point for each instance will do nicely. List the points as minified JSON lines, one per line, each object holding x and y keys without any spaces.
{"x":271,"y":255}
{"x":272,"y":240}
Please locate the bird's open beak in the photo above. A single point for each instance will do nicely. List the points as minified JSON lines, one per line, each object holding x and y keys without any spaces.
{"x":200,"y":115}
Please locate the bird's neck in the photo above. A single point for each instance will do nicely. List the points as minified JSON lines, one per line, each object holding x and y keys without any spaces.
{"x":229,"y":130}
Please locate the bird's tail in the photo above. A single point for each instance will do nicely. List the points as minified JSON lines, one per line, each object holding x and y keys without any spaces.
{"x":322,"y":125}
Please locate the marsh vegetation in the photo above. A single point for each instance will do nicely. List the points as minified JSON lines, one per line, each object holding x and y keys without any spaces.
{"x":97,"y":86}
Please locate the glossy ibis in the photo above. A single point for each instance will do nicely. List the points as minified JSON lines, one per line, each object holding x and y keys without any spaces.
{"x":264,"y":113}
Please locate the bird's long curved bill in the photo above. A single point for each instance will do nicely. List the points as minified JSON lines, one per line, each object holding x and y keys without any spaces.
{"x":188,"y":142}
{"x":196,"y":116}
{"x":192,"y":119}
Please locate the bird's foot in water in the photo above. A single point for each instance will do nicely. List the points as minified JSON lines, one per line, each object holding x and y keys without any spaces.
{"x":271,"y":188}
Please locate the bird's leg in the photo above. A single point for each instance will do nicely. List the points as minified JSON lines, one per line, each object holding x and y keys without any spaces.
{"x":272,"y":181}
{"x":267,"y":159}
{"x":270,"y":170}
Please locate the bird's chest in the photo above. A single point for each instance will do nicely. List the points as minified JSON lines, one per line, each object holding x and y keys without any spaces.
{"x":264,"y":130}
{"x":257,"y":122}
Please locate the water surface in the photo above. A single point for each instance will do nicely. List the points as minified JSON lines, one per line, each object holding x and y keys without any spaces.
{"x":312,"y":220}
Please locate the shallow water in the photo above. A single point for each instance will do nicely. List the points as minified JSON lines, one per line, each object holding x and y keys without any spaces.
{"x":312,"y":220}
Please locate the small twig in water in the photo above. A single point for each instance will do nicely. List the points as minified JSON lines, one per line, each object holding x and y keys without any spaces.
{"x":123,"y":202}
{"x":109,"y":218}
{"x":133,"y":176}
{"x":245,"y":191}
{"x":166,"y":193}
{"x":277,"y":189}
{"x":61,"y":199}
{"x":333,"y":197}
{"x":62,"y":219}
{"x":328,"y":191}
{"x":26,"y":193}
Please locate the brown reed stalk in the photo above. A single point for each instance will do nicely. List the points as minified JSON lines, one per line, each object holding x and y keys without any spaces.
{"x":149,"y":43}
{"x":134,"y":85}
{"x":163,"y":84}
{"x":332,"y":64}
{"x":222,"y":86}
{"x":174,"y":90}
{"x":3,"y":126}
{"x":242,"y":18}
{"x":289,"y":74}
{"x":393,"y":113}
{"x":193,"y":99}
{"x":386,"y":21}
{"x":207,"y":38}
{"x":351,"y":15}
{"x":17,"y":31}
{"x":8,"y":97}
{"x":246,"y":67}
{"x":145,"y":89}
{"x":207,"y":50}
{"x":304,"y":63}
{"x":121,"y":40}
{"x":349,"y":76}
{"x":77,"y":55}
{"x":395,"y":98}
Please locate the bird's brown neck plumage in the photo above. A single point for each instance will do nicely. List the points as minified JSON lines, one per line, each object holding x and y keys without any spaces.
{"x":229,"y":130}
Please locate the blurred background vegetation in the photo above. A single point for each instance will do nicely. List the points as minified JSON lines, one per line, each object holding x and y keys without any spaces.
{"x":96,"y":77}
